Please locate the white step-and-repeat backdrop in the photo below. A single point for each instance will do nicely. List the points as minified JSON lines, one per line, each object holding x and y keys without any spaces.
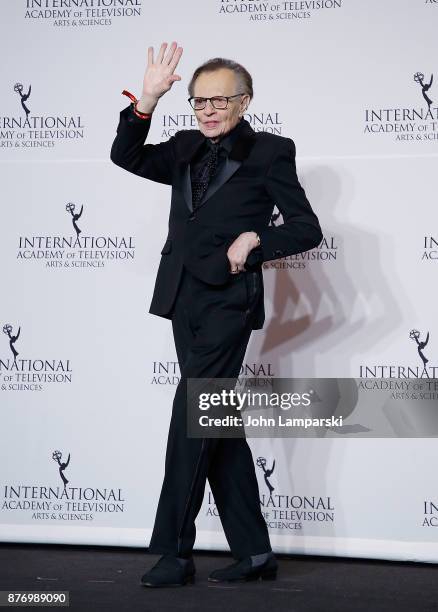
{"x":87,"y":376}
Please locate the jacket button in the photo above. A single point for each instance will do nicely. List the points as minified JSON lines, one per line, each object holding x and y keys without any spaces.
{"x":278,"y":253}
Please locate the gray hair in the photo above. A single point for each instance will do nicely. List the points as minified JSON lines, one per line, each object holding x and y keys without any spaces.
{"x":243,"y":76}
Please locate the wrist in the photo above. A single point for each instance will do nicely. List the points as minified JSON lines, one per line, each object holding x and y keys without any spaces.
{"x":146,"y":104}
{"x":141,"y":111}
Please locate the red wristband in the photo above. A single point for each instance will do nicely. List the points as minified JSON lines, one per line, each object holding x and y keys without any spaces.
{"x":134,"y":108}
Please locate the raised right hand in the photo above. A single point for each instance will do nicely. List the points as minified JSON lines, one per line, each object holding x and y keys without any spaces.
{"x":159,"y":77}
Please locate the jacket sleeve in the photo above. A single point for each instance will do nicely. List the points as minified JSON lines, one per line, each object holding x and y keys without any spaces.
{"x":151,"y":161}
{"x":301,"y":230}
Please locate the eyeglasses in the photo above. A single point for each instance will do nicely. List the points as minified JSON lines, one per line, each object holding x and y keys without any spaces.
{"x":218,"y":102}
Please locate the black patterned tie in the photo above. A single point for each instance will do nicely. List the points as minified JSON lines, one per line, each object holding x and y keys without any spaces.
{"x":202,"y":179}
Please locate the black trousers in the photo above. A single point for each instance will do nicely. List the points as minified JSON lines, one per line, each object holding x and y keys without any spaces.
{"x":211,"y":327}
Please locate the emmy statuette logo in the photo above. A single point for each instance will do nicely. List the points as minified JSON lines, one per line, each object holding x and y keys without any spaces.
{"x":57,"y":456}
{"x":75,"y":216}
{"x":7,"y":329}
{"x":415,"y":336}
{"x":261,"y":463}
{"x":419,"y":78}
{"x":18,"y":88}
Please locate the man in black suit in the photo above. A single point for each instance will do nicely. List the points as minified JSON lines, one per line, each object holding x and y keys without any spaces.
{"x":225,"y":181}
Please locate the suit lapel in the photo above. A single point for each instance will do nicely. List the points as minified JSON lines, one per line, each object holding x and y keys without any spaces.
{"x":228,"y":169}
{"x":240,"y":150}
{"x":194,"y":141}
{"x":186,"y":185}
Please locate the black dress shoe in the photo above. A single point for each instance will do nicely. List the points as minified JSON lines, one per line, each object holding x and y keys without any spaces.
{"x":244,"y":570}
{"x":168,"y":571}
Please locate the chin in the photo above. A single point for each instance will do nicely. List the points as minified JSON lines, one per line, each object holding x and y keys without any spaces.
{"x":212,"y":133}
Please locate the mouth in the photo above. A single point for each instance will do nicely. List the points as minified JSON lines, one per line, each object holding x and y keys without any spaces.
{"x":211,"y":124}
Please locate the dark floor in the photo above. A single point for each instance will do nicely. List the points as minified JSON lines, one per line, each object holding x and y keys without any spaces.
{"x":108,"y":578}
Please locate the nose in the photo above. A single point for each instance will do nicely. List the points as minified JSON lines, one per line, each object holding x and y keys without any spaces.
{"x":211,"y":109}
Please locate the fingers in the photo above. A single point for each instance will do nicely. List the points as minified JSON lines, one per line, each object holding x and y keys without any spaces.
{"x":170,"y":53}
{"x":150,"y":56}
{"x":236,"y":259}
{"x":236,"y":268}
{"x":176,"y":57}
{"x":161,"y":52}
{"x":172,"y":57}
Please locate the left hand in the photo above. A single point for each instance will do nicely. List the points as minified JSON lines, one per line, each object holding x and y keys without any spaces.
{"x":239,"y":251}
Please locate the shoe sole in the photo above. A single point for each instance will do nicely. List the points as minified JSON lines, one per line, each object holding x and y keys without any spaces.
{"x":189,"y":580}
{"x":253,"y":578}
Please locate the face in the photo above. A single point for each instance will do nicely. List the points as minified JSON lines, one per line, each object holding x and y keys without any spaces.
{"x":215,"y":123}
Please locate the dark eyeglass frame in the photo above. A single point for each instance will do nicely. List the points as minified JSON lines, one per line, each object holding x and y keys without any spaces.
{"x":227,"y":98}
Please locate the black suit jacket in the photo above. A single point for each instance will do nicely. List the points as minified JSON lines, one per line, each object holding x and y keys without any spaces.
{"x":258,"y":174}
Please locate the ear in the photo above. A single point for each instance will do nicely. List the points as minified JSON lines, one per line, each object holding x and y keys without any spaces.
{"x":244,"y":102}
